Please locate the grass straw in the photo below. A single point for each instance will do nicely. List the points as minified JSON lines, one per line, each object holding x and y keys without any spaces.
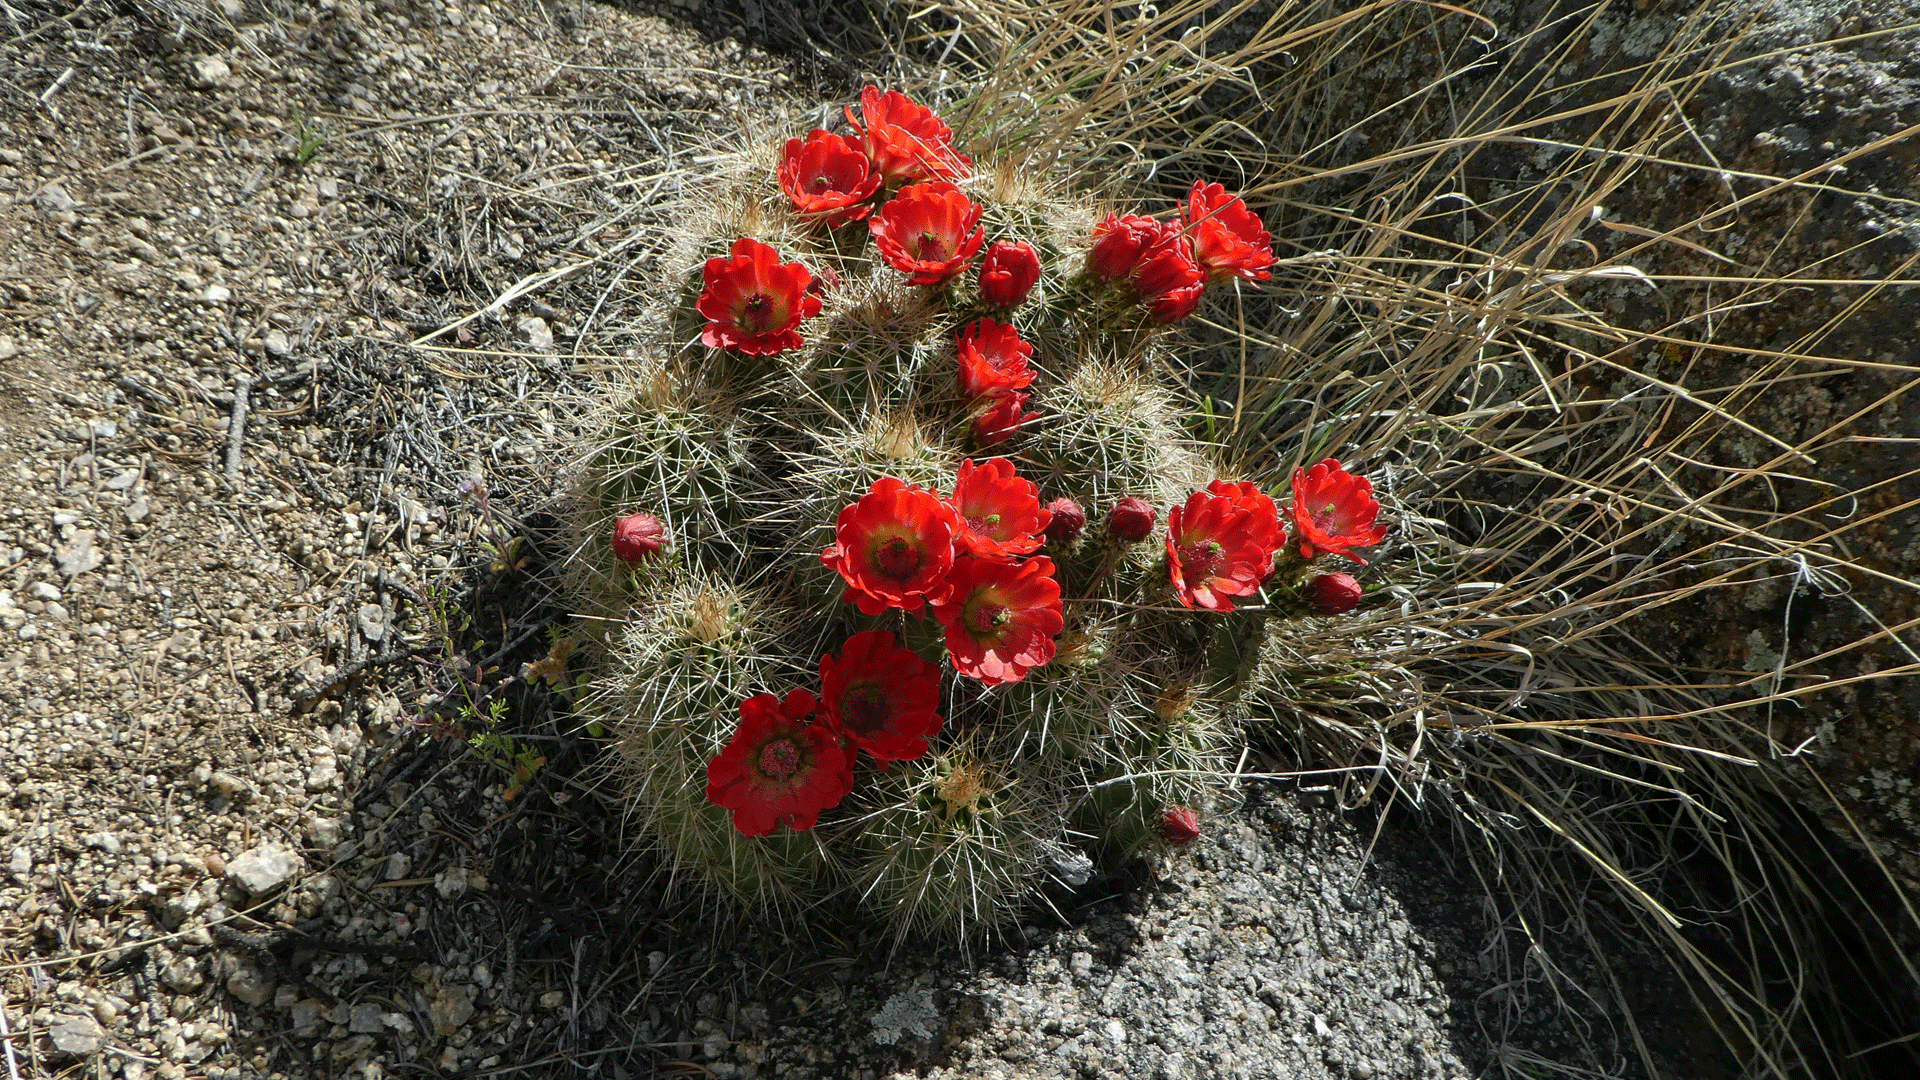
{"x":1543,"y":458}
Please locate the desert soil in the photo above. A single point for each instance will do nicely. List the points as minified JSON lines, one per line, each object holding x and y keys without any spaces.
{"x":246,"y":525}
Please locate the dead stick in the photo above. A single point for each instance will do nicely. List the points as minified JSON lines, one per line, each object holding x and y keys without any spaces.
{"x":6,"y":1039}
{"x":237,"y":427}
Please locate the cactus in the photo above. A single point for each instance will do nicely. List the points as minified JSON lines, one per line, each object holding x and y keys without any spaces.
{"x":750,"y":452}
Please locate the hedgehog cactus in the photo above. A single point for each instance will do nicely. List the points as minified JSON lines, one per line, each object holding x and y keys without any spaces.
{"x":870,"y":317}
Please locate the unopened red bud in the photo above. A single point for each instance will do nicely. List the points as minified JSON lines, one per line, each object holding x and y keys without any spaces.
{"x":1008,"y":273}
{"x":1067,"y":523}
{"x":1181,"y":826}
{"x":637,"y":537}
{"x":1331,"y":594}
{"x":1131,"y":519}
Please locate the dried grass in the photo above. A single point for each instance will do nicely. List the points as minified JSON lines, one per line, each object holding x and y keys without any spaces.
{"x":1544,"y":459}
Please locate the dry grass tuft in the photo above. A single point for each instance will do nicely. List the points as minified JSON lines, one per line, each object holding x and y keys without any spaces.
{"x":1580,"y":454}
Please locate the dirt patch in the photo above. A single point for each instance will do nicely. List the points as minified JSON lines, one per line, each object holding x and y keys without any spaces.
{"x":233,"y":498}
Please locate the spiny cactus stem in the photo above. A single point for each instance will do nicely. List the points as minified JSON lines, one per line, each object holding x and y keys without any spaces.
{"x":1115,"y":552}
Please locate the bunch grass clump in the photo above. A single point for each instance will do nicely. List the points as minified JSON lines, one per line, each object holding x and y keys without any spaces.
{"x":1542,"y":400}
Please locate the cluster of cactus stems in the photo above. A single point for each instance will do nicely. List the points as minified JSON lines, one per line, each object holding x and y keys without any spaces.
{"x":908,"y":581}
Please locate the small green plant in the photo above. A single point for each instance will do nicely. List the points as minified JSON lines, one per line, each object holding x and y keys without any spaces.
{"x":517,"y":758}
{"x":465,"y":700}
{"x":309,"y":139}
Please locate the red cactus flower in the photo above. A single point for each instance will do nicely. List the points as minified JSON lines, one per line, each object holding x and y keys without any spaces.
{"x":827,"y":178}
{"x":883,"y":698}
{"x":1269,"y":533}
{"x":779,"y":769}
{"x":1001,"y":617}
{"x":753,"y":302}
{"x":1218,"y":546}
{"x":929,"y":232}
{"x":638,"y":537}
{"x":1170,"y":282}
{"x":904,"y":140}
{"x":1331,"y":594}
{"x":1131,"y":520}
{"x":1008,"y":273}
{"x":893,"y":547}
{"x":1227,"y":238}
{"x":1003,"y":420}
{"x":1120,"y":241}
{"x":1334,"y":512}
{"x":1000,"y":514}
{"x":993,"y":359}
{"x":1068,"y":522}
{"x":1180,"y":825}
{"x":1155,"y":258}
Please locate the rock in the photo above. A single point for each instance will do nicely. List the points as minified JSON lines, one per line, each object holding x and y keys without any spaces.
{"x":138,"y":509}
{"x":905,"y":1014}
{"x":78,"y":555}
{"x":8,"y":350}
{"x":305,"y":1016}
{"x":324,"y":775}
{"x":21,"y":862}
{"x":276,"y":343}
{"x":1071,"y":866}
{"x":183,"y":974}
{"x":178,"y":909}
{"x":451,"y":1009}
{"x":365,"y":1019}
{"x":103,"y":841}
{"x":231,"y":786}
{"x":534,"y":329}
{"x":250,"y":985}
{"x":401,"y":1025}
{"x":351,"y":1049}
{"x":372,"y":621}
{"x":210,"y":72}
{"x":451,"y":882}
{"x":264,"y":868}
{"x":53,"y":199}
{"x":44,"y":591}
{"x":77,"y":1035}
{"x":216,"y":294}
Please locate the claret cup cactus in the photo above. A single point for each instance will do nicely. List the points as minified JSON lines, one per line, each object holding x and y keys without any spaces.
{"x":949,"y":588}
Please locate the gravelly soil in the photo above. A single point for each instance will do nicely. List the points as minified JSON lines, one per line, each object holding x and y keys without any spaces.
{"x":245,"y":832}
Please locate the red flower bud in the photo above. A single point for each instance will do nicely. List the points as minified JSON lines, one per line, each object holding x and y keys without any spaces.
{"x":1120,"y":242}
{"x":1131,"y":519}
{"x":1331,"y":594}
{"x":1008,"y":273}
{"x":1068,"y":521}
{"x":636,"y":537}
{"x":1181,"y":826}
